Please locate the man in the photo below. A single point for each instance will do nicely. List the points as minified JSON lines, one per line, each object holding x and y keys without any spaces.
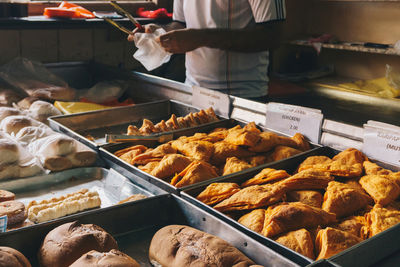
{"x":226,"y":42}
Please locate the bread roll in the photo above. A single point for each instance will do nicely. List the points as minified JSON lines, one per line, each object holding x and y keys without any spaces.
{"x":57,"y":163}
{"x":9,"y":152}
{"x":13,"y":124}
{"x":68,"y":242}
{"x":8,"y":111}
{"x":83,"y":158}
{"x":6,"y":195}
{"x":180,"y":245}
{"x":29,"y":134}
{"x":29,"y":170}
{"x":113,"y":258}
{"x":9,"y":171}
{"x":57,"y":145}
{"x":8,"y":97}
{"x":55,"y":93}
{"x":27,"y":102}
{"x":41,"y":110}
{"x":10,"y":257}
{"x":14,"y":210}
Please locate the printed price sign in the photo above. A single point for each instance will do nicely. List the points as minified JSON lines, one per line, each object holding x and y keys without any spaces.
{"x":382,"y":141}
{"x":290,"y":119}
{"x":204,"y":98}
{"x":3,"y":224}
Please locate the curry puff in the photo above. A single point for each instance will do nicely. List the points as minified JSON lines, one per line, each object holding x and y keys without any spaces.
{"x":309,"y":197}
{"x":345,"y":164}
{"x":242,"y":137}
{"x":299,"y":241}
{"x":283,"y":152}
{"x":307,"y":179}
{"x":381,"y":218}
{"x":170,"y":165}
{"x":269,"y":140}
{"x":382,"y":189}
{"x":198,"y":150}
{"x":267,"y":175}
{"x":195,"y":172}
{"x":354,"y":225}
{"x":373,"y":169}
{"x":343,"y":199}
{"x":234,"y":164}
{"x":285,"y":217}
{"x":155,"y":154}
{"x":331,"y":241}
{"x":216,"y":192}
{"x":224,"y":150}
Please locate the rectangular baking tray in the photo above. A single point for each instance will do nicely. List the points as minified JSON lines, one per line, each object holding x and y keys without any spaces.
{"x":116,"y":120}
{"x":134,"y":224}
{"x":351,"y":255}
{"x":107,"y":154}
{"x":111,"y":185}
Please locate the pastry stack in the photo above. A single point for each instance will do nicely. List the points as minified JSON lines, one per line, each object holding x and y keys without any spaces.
{"x":326,"y":206}
{"x":192,"y":159}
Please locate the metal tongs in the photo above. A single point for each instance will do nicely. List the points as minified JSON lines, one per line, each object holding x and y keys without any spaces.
{"x":120,"y":138}
{"x":120,"y":10}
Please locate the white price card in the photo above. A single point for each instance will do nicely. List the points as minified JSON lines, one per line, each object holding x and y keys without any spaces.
{"x":204,"y":98}
{"x":382,"y":141}
{"x":290,"y":119}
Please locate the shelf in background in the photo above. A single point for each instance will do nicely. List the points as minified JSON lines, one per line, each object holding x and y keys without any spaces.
{"x":349,"y":47}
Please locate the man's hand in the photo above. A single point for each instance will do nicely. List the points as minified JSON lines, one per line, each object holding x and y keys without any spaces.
{"x":149,"y":28}
{"x":180,"y":41}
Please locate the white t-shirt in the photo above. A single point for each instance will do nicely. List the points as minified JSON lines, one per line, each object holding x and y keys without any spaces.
{"x":240,"y":74}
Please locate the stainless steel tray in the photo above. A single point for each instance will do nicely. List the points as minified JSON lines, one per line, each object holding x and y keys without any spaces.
{"x":111,"y":185}
{"x":354,"y":255}
{"x":107,"y":154}
{"x":134,"y":224}
{"x":116,"y":120}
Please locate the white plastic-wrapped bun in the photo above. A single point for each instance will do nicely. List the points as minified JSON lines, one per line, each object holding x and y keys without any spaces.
{"x":9,"y":152}
{"x":13,"y":124}
{"x":30,"y":134}
{"x":41,"y":110}
{"x":53,"y":146}
{"x":8,"y":111}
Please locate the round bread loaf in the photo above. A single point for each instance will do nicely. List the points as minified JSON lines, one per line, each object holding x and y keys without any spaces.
{"x":14,"y":210}
{"x":9,"y":152}
{"x":13,"y":124}
{"x":180,"y":245}
{"x":113,"y":258}
{"x":43,"y":108}
{"x":10,"y":257}
{"x":6,"y":195}
{"x":8,"y":111}
{"x":57,"y":145}
{"x":68,"y":242}
{"x":27,"y":102}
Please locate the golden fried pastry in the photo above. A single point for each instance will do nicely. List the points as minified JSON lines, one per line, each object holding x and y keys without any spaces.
{"x":257,"y":160}
{"x":154,"y":155}
{"x":170,"y":165}
{"x":195,"y":172}
{"x":224,"y":150}
{"x":301,"y":142}
{"x":331,"y":241}
{"x":234,"y":164}
{"x":242,"y":137}
{"x":312,"y":161}
{"x":219,"y":134}
{"x":381,"y":218}
{"x":283,"y":152}
{"x":299,"y":241}
{"x":383,"y":190}
{"x":269,"y":140}
{"x":147,"y":127}
{"x":133,"y":130}
{"x":307,"y":179}
{"x":252,"y":197}
{"x":267,"y":175}
{"x":162,"y":127}
{"x":139,"y":148}
{"x":291,"y":216}
{"x":172,"y":123}
{"x":309,"y":197}
{"x":251,"y":127}
{"x":254,"y":220}
{"x":375,"y":169}
{"x":343,"y":199}
{"x":353,"y":225}
{"x":149,"y":166}
{"x":216,"y":192}
{"x":190,"y":121}
{"x":198,"y":150}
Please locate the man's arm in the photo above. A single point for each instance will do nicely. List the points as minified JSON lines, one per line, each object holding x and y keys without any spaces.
{"x":253,"y":39}
{"x":149,"y":28}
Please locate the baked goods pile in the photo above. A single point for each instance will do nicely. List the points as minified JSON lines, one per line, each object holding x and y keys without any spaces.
{"x":326,"y":206}
{"x":10,"y":257}
{"x":174,"y":123}
{"x":35,"y":140}
{"x":14,"y":210}
{"x":192,"y":159}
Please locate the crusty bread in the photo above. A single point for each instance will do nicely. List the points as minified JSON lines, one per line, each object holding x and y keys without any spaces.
{"x":9,"y":171}
{"x":6,"y":195}
{"x":14,"y":210}
{"x":58,"y":145}
{"x":180,"y":245}
{"x":29,"y":170}
{"x":68,"y":242}
{"x":10,"y":257}
{"x":9,"y":152}
{"x":113,"y":258}
{"x":83,"y":158}
{"x":41,"y":110}
{"x":57,"y":163}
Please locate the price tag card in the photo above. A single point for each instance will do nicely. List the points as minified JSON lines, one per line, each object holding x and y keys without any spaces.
{"x":290,"y":119}
{"x":382,"y":142}
{"x":204,"y":98}
{"x":3,"y":224}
